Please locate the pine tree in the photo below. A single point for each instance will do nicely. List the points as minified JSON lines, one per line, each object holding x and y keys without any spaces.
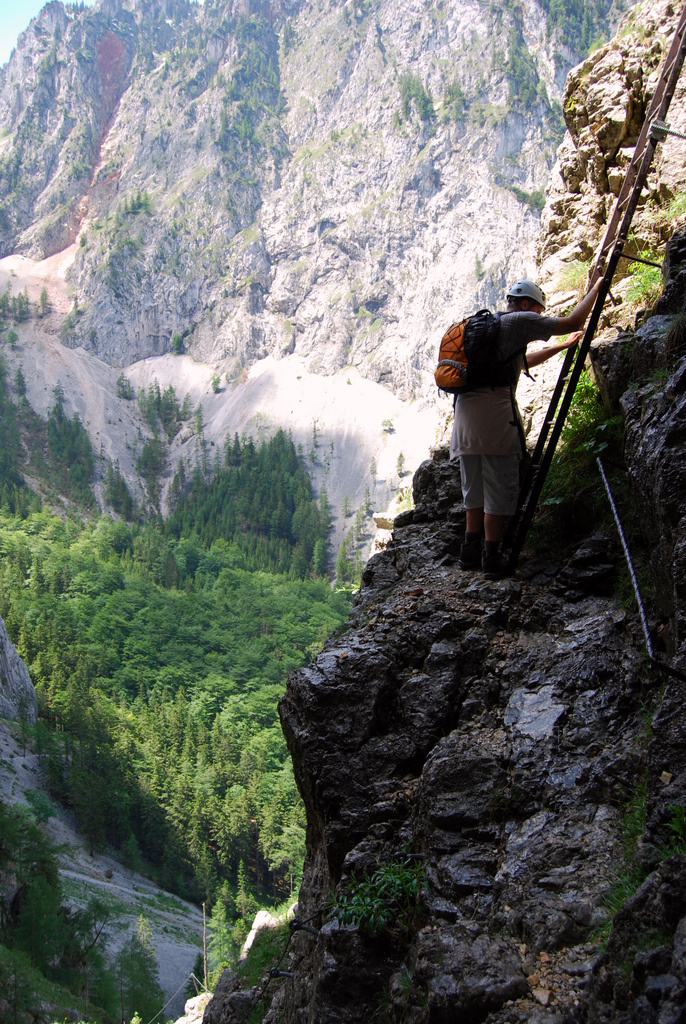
{"x":20,"y":382}
{"x":342,"y":563}
{"x":246,"y":904}
{"x":137,"y":972}
{"x":220,"y":927}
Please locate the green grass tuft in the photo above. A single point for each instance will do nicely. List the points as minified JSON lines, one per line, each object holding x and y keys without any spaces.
{"x":573,"y":500}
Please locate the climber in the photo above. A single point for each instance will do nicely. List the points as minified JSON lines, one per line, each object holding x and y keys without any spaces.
{"x":487,"y":432}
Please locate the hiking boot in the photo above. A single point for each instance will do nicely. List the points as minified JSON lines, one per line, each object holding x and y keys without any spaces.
{"x":494,"y":565}
{"x":470,"y":554}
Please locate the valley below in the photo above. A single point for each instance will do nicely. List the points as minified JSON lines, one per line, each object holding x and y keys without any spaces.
{"x":176,"y":924}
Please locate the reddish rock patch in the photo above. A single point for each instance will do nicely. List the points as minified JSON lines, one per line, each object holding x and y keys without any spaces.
{"x":112,"y":68}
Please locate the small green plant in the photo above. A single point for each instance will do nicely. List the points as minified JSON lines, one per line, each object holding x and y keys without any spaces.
{"x":676,"y":842}
{"x":677,"y":207}
{"x":534,"y":200}
{"x":502,"y":805}
{"x":385,"y":901}
{"x":412,"y":89}
{"x":646,"y":283}
{"x":42,"y":806}
{"x":632,"y":873}
{"x":264,"y":953}
{"x":405,"y":501}
{"x":454,"y":101}
{"x":575,"y":276}
{"x":675,"y":338}
{"x":588,"y":432}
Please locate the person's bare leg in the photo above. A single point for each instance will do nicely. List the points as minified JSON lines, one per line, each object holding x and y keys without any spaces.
{"x":493,"y":527}
{"x":475,"y":520}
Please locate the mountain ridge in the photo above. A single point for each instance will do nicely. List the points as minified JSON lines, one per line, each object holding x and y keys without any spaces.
{"x":243,"y":181}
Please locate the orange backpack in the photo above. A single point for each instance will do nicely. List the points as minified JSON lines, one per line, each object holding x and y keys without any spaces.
{"x":467,"y":355}
{"x":451,"y":371}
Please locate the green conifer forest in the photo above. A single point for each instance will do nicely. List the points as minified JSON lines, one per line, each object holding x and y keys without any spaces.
{"x":158,"y":650}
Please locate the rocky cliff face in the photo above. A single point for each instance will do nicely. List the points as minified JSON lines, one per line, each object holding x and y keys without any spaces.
{"x":17,"y":696}
{"x":508,"y":742}
{"x":605,"y":101}
{"x":500,"y":735}
{"x":332,"y":180}
{"x":298,"y":197}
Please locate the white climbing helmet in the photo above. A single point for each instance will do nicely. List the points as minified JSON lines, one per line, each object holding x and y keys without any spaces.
{"x":527,"y":290}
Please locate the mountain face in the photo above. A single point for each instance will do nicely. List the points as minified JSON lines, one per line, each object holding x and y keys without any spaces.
{"x":244,"y":179}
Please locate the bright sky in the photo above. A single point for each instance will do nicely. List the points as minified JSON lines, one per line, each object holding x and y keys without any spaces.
{"x":15,"y":16}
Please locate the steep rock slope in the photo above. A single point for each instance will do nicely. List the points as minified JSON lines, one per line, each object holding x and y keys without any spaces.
{"x":500,"y":734}
{"x":493,"y":730}
{"x":605,"y":101}
{"x":17,"y":696}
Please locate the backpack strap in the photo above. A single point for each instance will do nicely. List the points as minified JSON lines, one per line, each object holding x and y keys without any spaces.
{"x":517,"y":420}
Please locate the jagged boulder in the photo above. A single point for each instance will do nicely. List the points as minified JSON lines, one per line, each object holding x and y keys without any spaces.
{"x":648,"y":938}
{"x":634,"y":357}
{"x":230,"y":1003}
{"x":654,"y":429}
{"x":673,"y":298}
{"x":477,"y":974}
{"x":194,"y":1009}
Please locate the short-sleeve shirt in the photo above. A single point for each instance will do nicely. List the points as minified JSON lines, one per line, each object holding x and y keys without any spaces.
{"x":486,"y":418}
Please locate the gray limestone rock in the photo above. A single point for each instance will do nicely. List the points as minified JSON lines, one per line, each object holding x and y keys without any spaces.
{"x":611,"y":361}
{"x":604,"y":105}
{"x":17,"y":695}
{"x":475,"y":725}
{"x":319,"y":213}
{"x":230,"y":1004}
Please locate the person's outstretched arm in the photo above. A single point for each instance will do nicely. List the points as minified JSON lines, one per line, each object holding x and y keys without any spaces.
{"x":541,"y":354}
{"x":577,"y":318}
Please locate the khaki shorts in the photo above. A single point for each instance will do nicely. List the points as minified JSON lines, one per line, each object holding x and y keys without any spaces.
{"x":490,"y":482}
